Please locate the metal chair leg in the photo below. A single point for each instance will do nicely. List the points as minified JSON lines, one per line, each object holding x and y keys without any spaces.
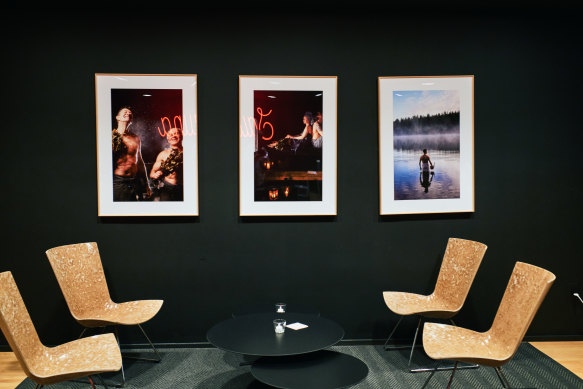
{"x":429,"y":378}
{"x":102,"y":381}
{"x":414,"y":341}
{"x":151,"y":345}
{"x":82,"y":333}
{"x":452,"y":373}
{"x":123,"y":375}
{"x":502,"y":377}
{"x":391,"y":335}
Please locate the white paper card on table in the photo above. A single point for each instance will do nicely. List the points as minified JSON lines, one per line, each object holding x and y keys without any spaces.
{"x":296,"y":326}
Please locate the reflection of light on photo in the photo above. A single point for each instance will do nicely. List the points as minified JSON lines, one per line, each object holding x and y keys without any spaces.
{"x":193,"y":126}
{"x":319,"y":94}
{"x":250,"y":125}
{"x":275,"y":82}
{"x":193,"y":84}
{"x":427,"y":83}
{"x":396,"y":94}
{"x":272,"y":97}
{"x":120,"y":78}
{"x":177,"y":121}
{"x":147,"y":95}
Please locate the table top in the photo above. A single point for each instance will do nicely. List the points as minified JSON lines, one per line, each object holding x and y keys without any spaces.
{"x":253,"y":334}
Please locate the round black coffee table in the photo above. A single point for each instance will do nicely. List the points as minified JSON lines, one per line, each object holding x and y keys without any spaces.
{"x":294,"y":359}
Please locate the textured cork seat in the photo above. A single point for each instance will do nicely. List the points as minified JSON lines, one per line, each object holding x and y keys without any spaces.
{"x":460,"y":264}
{"x":526,"y":290}
{"x":130,"y":313}
{"x":47,"y":365}
{"x":461,"y":261}
{"x":79,"y":271}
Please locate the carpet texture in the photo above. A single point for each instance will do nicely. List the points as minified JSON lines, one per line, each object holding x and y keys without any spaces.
{"x":210,"y":368}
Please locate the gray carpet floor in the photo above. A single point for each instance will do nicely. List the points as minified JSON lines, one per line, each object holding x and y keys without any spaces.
{"x":206,"y":368}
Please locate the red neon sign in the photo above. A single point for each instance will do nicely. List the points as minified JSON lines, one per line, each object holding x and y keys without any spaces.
{"x":259,"y":127}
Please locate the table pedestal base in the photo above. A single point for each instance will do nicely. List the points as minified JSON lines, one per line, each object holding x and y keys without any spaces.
{"x":317,"y":370}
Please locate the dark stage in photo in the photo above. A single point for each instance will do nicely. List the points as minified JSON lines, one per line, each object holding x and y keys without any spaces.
{"x":288,"y":145}
{"x":154,"y":113}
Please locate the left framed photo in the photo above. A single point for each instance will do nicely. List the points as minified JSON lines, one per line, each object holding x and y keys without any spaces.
{"x":147,"y":144}
{"x":287,"y":145}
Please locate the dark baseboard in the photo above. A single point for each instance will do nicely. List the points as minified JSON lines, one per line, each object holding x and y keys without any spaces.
{"x":344,"y":342}
{"x":553,"y":338}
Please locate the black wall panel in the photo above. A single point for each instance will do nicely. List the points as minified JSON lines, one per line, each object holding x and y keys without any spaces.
{"x":528,"y":133}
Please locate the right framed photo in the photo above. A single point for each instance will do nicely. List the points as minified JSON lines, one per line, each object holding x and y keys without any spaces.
{"x":426,"y":144}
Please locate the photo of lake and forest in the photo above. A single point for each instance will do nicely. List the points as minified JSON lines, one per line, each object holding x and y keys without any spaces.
{"x":426,"y":144}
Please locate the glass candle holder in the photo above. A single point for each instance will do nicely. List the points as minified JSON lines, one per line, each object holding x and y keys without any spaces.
{"x":279,"y":326}
{"x":280,"y":307}
{"x":273,"y":194}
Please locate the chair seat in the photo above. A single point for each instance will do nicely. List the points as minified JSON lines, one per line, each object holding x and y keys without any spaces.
{"x":442,"y":341}
{"x":128,"y":313}
{"x":403,"y":303}
{"x":79,"y":358}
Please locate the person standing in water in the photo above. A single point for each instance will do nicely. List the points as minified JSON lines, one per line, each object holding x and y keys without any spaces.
{"x":425,"y":162}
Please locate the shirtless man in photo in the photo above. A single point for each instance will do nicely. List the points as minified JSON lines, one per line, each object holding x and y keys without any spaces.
{"x":169,"y":164}
{"x":425,"y":162}
{"x":130,"y":180}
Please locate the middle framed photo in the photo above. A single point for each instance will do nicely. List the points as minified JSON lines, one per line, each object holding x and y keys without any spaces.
{"x":287,"y":145}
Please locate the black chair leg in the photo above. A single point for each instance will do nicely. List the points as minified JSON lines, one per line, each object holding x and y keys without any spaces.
{"x":452,"y":373}
{"x":429,"y":378}
{"x":387,"y":348}
{"x":502,"y":378}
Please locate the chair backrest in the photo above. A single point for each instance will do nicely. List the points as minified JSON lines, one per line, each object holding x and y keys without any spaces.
{"x":80,"y":275}
{"x":524,"y":294}
{"x":460,"y":264}
{"x":16,"y":324}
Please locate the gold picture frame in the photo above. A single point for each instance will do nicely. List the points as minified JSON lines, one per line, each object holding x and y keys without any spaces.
{"x":287,"y":153}
{"x":147,"y":144}
{"x":426,"y":144}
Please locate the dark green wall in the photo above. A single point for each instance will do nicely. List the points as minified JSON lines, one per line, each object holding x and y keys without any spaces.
{"x":528,"y":132}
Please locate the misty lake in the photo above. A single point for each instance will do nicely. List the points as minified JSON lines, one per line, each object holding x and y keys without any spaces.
{"x":441,"y":183}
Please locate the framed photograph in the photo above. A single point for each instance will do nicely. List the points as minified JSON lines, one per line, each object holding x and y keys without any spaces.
{"x":287,"y":145}
{"x":426,"y":139}
{"x":146,"y":145}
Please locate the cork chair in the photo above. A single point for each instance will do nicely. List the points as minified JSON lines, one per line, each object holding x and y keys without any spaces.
{"x":460,"y":263}
{"x":524,"y":294}
{"x":80,"y":275}
{"x":48,"y":365}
